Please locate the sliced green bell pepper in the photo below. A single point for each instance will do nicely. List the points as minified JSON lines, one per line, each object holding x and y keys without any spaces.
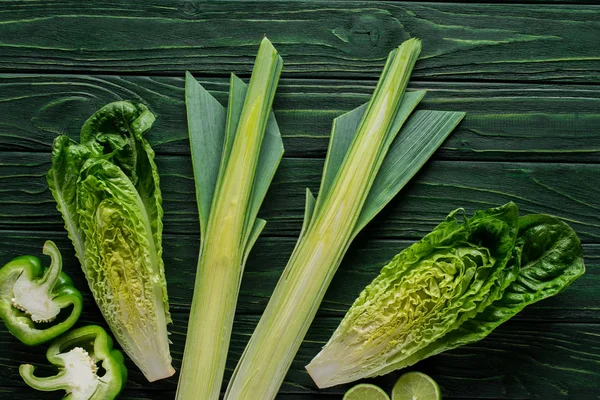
{"x":32,"y":297}
{"x":79,"y":355}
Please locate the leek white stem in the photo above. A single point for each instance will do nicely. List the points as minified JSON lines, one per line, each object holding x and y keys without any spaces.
{"x":319,"y":251}
{"x":226,"y":237}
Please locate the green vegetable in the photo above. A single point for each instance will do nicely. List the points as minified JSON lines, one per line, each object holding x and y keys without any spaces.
{"x":107,"y":189}
{"x":78,"y":356}
{"x":416,"y":386}
{"x":451,"y":288}
{"x":32,"y":298}
{"x":548,"y":257}
{"x":235,"y":155}
{"x":365,"y":391}
{"x":364,"y":169}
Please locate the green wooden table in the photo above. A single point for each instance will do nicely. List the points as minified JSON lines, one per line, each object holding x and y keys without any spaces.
{"x":528,"y":76}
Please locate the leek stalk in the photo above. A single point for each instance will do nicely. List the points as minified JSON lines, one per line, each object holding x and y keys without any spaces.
{"x":364,"y":169}
{"x":234,"y":155}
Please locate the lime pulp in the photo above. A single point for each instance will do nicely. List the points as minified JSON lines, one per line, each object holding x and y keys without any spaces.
{"x":416,"y":386}
{"x":365,"y":391}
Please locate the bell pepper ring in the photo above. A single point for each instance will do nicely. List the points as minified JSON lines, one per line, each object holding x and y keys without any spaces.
{"x":78,"y":356}
{"x":32,"y":297}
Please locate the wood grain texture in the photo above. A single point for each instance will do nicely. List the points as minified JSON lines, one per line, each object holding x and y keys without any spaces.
{"x":555,"y":360}
{"x":519,"y":2}
{"x":330,"y":39}
{"x":528,"y":76}
{"x":361,"y":265}
{"x":25,"y":393}
{"x":504,"y":121}
{"x":569,"y":191}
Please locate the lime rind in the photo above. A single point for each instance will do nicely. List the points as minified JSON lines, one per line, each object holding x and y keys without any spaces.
{"x":365,"y":391}
{"x":416,"y":386}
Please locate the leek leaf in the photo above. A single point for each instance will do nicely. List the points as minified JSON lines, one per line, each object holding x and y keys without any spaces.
{"x":309,"y":208}
{"x":355,"y":156}
{"x":268,"y":161}
{"x":235,"y":105}
{"x":210,"y":135}
{"x":422,"y":134}
{"x":212,"y":142}
{"x":245,"y":149}
{"x":344,"y":130}
{"x":206,"y":117}
{"x":259,"y":225}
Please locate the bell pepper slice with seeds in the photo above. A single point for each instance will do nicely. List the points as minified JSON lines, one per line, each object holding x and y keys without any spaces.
{"x":32,"y":297}
{"x":89,"y":367}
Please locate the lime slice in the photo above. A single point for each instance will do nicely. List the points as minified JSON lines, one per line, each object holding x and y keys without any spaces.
{"x":366,"y":391}
{"x":416,"y":386}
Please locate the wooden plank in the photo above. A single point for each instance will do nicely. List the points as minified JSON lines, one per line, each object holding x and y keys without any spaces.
{"x":345,"y":38}
{"x":565,"y":190}
{"x":365,"y":258}
{"x":517,"y":361}
{"x":25,"y":393}
{"x":573,"y":3}
{"x":504,"y":121}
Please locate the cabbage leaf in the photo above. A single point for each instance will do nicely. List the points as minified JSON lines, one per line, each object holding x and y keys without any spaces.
{"x":453,"y":287}
{"x":548,"y":256}
{"x":107,"y":190}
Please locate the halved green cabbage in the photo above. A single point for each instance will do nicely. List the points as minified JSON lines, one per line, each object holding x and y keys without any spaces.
{"x":107,"y":189}
{"x":453,"y":287}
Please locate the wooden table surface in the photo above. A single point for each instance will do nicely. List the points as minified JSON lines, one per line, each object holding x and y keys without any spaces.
{"x":526,"y":74}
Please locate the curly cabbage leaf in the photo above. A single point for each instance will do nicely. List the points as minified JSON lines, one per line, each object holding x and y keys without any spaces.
{"x":453,"y":287}
{"x":107,"y":189}
{"x":548,"y":256}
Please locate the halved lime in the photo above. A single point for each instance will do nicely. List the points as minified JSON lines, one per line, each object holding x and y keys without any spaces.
{"x":416,"y":386}
{"x":366,"y":391}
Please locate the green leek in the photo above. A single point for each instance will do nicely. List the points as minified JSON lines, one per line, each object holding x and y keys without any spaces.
{"x":365,"y":168}
{"x":235,"y":154}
